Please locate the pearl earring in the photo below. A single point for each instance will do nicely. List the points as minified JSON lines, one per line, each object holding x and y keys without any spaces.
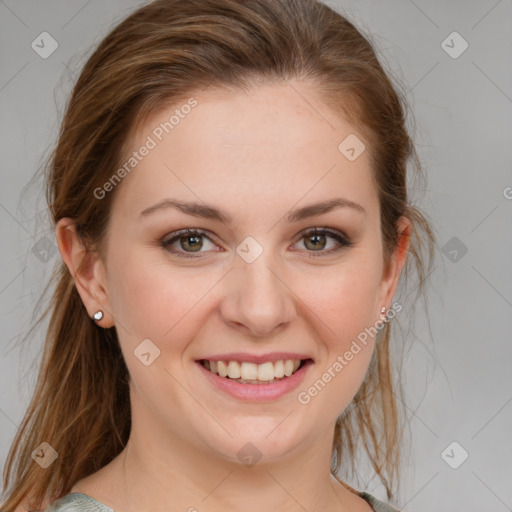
{"x":97,"y":316}
{"x":383,"y":314}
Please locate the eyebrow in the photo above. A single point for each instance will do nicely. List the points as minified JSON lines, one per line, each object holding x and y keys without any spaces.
{"x":210,"y":212}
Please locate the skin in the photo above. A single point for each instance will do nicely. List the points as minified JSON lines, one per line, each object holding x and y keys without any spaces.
{"x":256,"y":155}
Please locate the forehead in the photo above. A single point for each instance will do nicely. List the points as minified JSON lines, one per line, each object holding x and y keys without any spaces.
{"x":277,"y":141}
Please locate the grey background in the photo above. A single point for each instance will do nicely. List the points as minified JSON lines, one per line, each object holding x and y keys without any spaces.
{"x":457,"y":372}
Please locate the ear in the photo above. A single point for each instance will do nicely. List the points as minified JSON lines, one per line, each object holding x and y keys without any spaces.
{"x":392,"y":271}
{"x":87,"y":270}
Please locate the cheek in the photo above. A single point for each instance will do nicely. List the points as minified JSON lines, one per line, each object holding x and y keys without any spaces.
{"x":341,"y":308}
{"x":152,"y":299}
{"x":343,"y":300}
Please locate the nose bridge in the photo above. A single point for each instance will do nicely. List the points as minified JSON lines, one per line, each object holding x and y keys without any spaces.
{"x":258,"y":298}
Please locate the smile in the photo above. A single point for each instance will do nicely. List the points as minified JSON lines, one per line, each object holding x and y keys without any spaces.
{"x":252,"y":382}
{"x":252,"y":373}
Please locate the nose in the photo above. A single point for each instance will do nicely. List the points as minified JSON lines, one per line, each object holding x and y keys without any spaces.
{"x":257,"y":301}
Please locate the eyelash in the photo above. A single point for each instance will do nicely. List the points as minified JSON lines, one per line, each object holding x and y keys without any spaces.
{"x":342,"y":241}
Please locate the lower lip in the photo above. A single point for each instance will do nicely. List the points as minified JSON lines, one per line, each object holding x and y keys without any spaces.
{"x":256,"y":392}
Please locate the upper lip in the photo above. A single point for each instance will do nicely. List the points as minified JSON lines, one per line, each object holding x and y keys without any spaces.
{"x":255,"y":358}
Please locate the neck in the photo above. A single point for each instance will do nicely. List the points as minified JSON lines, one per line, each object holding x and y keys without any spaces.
{"x":163,"y":473}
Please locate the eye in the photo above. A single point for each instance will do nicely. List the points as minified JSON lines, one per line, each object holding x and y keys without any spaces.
{"x":316,"y":238}
{"x":191,"y":241}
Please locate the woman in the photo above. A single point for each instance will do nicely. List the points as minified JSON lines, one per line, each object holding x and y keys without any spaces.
{"x":230,"y":203}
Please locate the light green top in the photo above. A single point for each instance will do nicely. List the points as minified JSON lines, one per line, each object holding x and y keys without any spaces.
{"x":79,"y":502}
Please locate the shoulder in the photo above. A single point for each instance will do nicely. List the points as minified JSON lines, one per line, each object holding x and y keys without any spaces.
{"x":77,"y":502}
{"x":377,"y":505}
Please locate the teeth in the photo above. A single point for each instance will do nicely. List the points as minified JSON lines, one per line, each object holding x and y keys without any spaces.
{"x":279,"y":369}
{"x":251,"y":372}
{"x":222,"y":368}
{"x":234,"y":370}
{"x":265,"y":371}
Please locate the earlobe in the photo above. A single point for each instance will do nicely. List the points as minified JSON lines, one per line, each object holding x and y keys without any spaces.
{"x":85,"y":268}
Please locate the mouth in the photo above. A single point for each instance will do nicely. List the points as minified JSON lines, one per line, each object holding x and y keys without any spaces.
{"x":245,"y":372}
{"x":259,"y":380}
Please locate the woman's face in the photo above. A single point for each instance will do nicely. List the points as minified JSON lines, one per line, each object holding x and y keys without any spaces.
{"x":251,"y":288}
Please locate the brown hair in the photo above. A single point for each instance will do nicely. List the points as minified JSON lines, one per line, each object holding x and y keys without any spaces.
{"x":160,"y":53}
